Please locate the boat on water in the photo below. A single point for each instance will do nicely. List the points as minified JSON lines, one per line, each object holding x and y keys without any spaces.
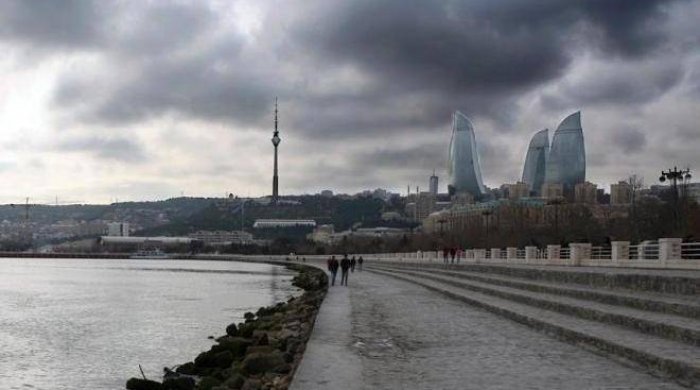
{"x":150,"y":254}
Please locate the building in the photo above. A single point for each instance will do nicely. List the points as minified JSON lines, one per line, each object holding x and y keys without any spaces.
{"x":144,"y":242}
{"x":118,"y":229}
{"x":536,"y":162}
{"x":462,"y":199}
{"x":283,"y":223}
{"x":566,"y":162}
{"x":517,"y":190}
{"x":221,"y":238}
{"x":586,"y":192}
{"x":552,"y":191}
{"x":463,"y":166}
{"x":425,"y":204}
{"x":433,"y":185}
{"x":322,"y":234}
{"x":620,"y":193}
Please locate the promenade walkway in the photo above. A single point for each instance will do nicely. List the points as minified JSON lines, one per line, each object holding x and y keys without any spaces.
{"x":385,"y":333}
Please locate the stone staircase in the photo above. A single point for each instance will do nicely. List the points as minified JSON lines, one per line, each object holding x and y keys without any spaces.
{"x":647,"y":317}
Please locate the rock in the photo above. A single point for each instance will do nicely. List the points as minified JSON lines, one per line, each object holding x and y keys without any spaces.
{"x":223,"y":359}
{"x":236,"y":345}
{"x":208,"y":383}
{"x":236,"y":381}
{"x":187,"y":369}
{"x":260,"y":349}
{"x":181,"y":383}
{"x":247,"y":329}
{"x":232,"y":330}
{"x":252,"y":384}
{"x":263,"y":340}
{"x":142,"y":384}
{"x":260,"y":362}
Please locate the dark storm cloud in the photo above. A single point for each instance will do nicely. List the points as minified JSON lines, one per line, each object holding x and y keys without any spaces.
{"x":629,"y":140}
{"x":361,"y":71}
{"x":59,"y":24}
{"x":476,"y":56}
{"x":418,"y":157}
{"x":630,"y":83}
{"x":118,"y":149}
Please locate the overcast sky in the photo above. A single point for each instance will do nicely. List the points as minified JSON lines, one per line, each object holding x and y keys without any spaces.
{"x":141,"y":100}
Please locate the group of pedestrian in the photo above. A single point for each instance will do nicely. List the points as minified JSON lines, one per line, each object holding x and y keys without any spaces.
{"x":346,"y":266}
{"x":451,"y":253}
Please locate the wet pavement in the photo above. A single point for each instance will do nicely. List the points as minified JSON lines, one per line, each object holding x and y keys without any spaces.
{"x":382,"y":333}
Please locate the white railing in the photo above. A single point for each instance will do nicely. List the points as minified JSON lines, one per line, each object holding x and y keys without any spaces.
{"x":662,"y":253}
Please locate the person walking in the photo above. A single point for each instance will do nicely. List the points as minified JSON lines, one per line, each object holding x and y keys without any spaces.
{"x":359,"y":263}
{"x":344,"y":266}
{"x":445,"y":253}
{"x":352,"y":264}
{"x":453,"y":252}
{"x":333,"y":268}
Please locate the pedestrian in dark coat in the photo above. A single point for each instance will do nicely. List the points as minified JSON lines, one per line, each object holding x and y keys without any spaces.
{"x":344,"y":267}
{"x":333,"y":268}
{"x":359,"y":262}
{"x":453,"y":252}
{"x":352,"y":264}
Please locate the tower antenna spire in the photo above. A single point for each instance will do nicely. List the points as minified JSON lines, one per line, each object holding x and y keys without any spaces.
{"x":276,"y":117}
{"x":275,"y":142}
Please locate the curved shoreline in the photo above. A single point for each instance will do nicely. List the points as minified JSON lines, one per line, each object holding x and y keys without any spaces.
{"x":263,"y":352}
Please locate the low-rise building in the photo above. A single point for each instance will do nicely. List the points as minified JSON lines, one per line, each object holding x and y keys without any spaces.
{"x":222,"y":238}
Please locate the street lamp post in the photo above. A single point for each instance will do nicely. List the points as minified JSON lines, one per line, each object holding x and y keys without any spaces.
{"x":675,"y":175}
{"x":556,"y":202}
{"x":487,"y":215}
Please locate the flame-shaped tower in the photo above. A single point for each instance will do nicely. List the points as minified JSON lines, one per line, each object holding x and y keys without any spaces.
{"x":566,"y":163}
{"x":463,"y":162}
{"x":536,"y":162}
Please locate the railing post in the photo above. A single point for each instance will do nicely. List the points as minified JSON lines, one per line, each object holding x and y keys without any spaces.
{"x":495,"y":253}
{"x":579,"y":251}
{"x":511,"y":253}
{"x":479,"y":254}
{"x":669,"y":249}
{"x":553,"y":252}
{"x":620,"y":250}
{"x":530,"y":252}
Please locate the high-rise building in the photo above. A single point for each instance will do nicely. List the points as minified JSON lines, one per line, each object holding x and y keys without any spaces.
{"x":566,"y":162}
{"x":463,"y":163}
{"x":433,"y":184}
{"x":552,"y":190}
{"x":620,"y":193}
{"x":517,"y":190}
{"x":425,"y":204}
{"x":585,"y":193}
{"x":535,"y":161}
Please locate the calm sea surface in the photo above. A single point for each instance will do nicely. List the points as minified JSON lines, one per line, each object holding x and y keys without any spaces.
{"x":88,"y":324}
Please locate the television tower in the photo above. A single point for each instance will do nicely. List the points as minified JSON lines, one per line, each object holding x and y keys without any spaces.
{"x":275,"y":142}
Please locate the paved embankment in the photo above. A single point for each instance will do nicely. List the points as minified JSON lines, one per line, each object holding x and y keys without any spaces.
{"x":385,"y":333}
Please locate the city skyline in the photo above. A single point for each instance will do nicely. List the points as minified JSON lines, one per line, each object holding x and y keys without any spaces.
{"x":115,"y":100}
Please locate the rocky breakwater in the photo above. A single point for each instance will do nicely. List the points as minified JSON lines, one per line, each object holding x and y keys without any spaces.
{"x":261,"y":353}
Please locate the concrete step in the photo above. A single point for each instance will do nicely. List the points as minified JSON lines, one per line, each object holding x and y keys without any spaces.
{"x":659,"y":324}
{"x":681,"y":305}
{"x":660,"y":356}
{"x":630,"y":279}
